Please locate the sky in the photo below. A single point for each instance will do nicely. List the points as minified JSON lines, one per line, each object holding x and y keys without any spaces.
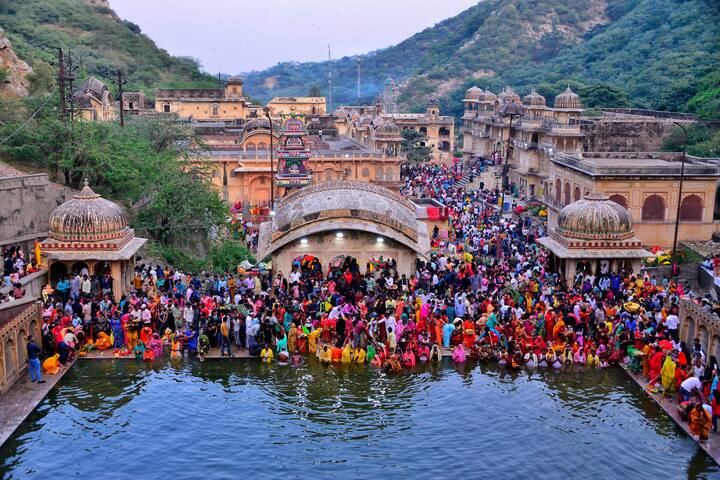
{"x":235,"y":36}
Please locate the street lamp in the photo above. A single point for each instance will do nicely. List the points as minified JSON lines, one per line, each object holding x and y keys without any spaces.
{"x":512,"y":110}
{"x":272,"y":167}
{"x":680,"y":190}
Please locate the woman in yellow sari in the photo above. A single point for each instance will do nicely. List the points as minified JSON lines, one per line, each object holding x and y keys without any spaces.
{"x":668,"y":376}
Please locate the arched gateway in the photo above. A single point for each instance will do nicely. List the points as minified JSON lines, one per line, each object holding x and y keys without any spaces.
{"x":344,"y":218}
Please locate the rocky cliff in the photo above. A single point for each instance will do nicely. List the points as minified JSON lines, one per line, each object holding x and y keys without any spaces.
{"x":13,"y":71}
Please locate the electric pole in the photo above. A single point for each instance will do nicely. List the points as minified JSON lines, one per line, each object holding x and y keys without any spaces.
{"x":61,"y":81}
{"x":330,"y":101}
{"x":121,"y":81}
{"x":358,"y":82}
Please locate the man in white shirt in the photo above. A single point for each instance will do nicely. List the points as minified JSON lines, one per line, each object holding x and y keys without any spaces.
{"x":671,"y":323}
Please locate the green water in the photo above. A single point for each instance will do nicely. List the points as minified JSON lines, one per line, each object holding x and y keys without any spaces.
{"x":242,"y":419}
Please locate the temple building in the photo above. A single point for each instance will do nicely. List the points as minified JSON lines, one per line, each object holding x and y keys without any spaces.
{"x":594,"y":235}
{"x":280,"y":106}
{"x":239,"y":158}
{"x":645,"y":183}
{"x":362,"y":123}
{"x":90,"y":232}
{"x":293,"y":155}
{"x":207,"y":104}
{"x":331,"y":221}
{"x":93,"y":101}
{"x":544,"y":131}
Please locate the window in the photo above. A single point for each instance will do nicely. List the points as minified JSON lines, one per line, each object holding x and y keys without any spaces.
{"x":576,"y":195}
{"x":131,"y":105}
{"x":250,"y":146}
{"x":619,"y":199}
{"x":215,"y":110}
{"x":166,"y":107}
{"x":653,"y":209}
{"x":262,"y":146}
{"x":365,"y":172}
{"x":691,"y":208}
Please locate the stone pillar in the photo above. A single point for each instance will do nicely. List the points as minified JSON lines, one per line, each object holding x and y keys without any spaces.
{"x":118,"y":284}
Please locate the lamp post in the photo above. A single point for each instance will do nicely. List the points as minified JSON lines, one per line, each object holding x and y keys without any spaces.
{"x":512,"y":110}
{"x":272,"y":167}
{"x":679,"y":201}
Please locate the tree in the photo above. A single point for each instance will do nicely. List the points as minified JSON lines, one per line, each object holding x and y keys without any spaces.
{"x":603,"y":95}
{"x":702,"y":140}
{"x":314,"y":91}
{"x":41,"y":78}
{"x":412,"y":145}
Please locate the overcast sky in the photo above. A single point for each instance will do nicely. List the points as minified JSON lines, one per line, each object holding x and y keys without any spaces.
{"x":234,"y":36}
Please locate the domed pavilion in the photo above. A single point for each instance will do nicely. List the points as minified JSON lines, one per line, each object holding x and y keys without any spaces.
{"x":594,"y":235}
{"x":90,"y":232}
{"x":331,"y":221}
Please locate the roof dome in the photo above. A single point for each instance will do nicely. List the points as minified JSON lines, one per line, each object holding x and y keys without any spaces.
{"x":473,"y":93}
{"x":568,"y":99}
{"x":595,"y":217}
{"x":533,"y":99}
{"x":88,"y":217}
{"x":365,"y":120}
{"x":387,"y":129}
{"x":508,"y":95}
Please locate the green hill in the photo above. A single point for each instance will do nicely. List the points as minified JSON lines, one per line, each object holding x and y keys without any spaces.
{"x":656,"y":54}
{"x":97,"y":37}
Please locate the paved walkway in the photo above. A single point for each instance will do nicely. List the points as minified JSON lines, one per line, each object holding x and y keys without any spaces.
{"x":670,"y":405}
{"x":22,"y":398}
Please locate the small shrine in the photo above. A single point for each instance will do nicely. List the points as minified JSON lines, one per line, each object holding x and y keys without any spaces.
{"x":293,"y":155}
{"x":594,"y":235}
{"x":90,"y":233}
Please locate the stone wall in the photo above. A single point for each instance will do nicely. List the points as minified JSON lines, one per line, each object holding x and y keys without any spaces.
{"x":697,"y":323}
{"x":626,"y":134}
{"x":27,"y":201}
{"x":15,"y":326}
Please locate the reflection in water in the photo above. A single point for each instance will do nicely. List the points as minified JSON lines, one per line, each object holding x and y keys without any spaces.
{"x":230,"y":419}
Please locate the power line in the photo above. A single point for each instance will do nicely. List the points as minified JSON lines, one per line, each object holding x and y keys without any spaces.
{"x":42,"y":105}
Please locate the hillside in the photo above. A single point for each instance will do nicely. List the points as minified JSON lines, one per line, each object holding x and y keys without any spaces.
{"x":97,"y":37}
{"x":655,"y":54}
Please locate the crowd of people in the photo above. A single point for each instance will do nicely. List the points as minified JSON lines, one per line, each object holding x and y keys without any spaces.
{"x":485,"y":293}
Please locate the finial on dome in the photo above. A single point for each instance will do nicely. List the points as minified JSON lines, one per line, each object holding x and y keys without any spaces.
{"x":86,"y":183}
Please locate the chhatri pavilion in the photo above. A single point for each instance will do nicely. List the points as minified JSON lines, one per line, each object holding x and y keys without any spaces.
{"x":594,"y":235}
{"x":90,"y":232}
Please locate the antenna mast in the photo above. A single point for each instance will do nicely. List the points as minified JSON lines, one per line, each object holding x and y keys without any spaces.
{"x":358,"y":82}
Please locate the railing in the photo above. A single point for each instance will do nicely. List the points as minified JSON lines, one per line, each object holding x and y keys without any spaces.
{"x":550,"y":201}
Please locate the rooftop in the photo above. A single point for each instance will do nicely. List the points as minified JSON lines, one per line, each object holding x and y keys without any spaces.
{"x":642,"y":164}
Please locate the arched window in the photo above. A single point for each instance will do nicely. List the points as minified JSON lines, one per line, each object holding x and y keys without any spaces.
{"x":567,"y":193}
{"x":250,"y":146}
{"x":262,"y":146}
{"x":653,"y":209}
{"x":691,"y":208}
{"x":619,"y":199}
{"x":379,"y":173}
{"x":558,"y":190}
{"x":576,"y":195}
{"x":365,"y":172}
{"x":214,"y":110}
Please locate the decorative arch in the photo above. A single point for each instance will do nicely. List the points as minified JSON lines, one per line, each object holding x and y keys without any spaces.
{"x":653,"y":209}
{"x":567,"y":193}
{"x":365,"y":172}
{"x":619,"y":199}
{"x":576,"y":194}
{"x":690,"y":335}
{"x":704,"y":336}
{"x":379,"y":173}
{"x":22,"y":346}
{"x":691,"y":208}
{"x":558,"y":190}
{"x":250,"y":147}
{"x":262,"y":146}
{"x":10,"y":365}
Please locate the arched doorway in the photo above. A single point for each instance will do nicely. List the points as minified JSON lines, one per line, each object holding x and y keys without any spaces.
{"x":102,"y":268}
{"x":704,"y":337}
{"x":310,"y":266}
{"x":619,"y":199}
{"x":79,"y":268}
{"x":653,"y":209}
{"x":58,"y":270}
{"x":691,"y":208}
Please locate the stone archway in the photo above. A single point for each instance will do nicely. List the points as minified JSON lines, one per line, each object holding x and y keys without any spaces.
{"x":704,"y":336}
{"x":10,"y":364}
